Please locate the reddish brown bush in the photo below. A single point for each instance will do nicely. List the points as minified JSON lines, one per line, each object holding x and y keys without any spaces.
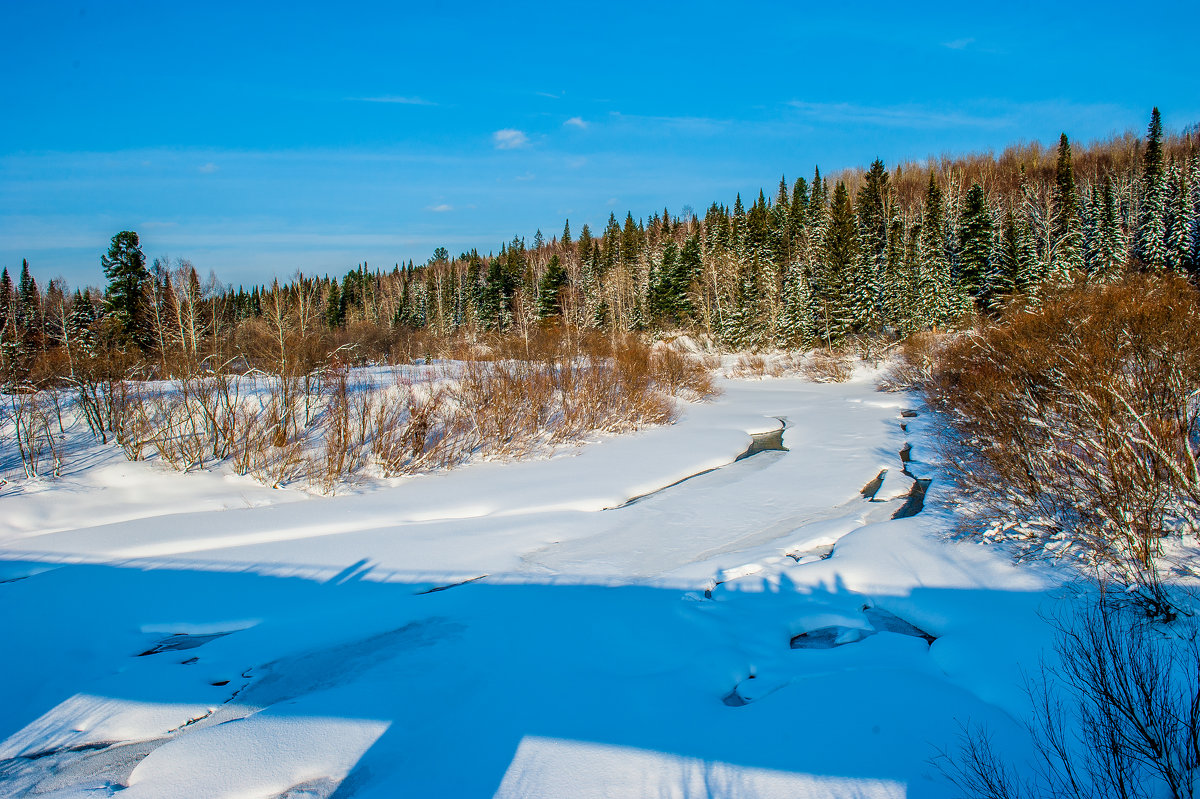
{"x":1078,"y":420}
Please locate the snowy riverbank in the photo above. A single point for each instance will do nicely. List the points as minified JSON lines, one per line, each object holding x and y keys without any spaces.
{"x":201,"y":636}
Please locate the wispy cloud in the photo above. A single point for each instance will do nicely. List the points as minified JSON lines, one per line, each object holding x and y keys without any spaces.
{"x":526,"y":176}
{"x":509,"y":139}
{"x":959,"y":44}
{"x":441,"y":208}
{"x":394,"y":98}
{"x":698,"y":125}
{"x":575,"y":122}
{"x":207,"y":169}
{"x":551,"y":95}
{"x":898,"y":116}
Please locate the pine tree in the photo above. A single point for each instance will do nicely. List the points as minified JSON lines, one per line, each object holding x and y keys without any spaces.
{"x":125,"y":267}
{"x":1151,"y":227}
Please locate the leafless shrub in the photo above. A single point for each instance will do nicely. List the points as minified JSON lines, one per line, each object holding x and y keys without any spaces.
{"x":913,"y":365}
{"x":420,"y":432}
{"x":1117,"y":716}
{"x":30,"y":415}
{"x":1078,"y":423}
{"x":133,"y":422}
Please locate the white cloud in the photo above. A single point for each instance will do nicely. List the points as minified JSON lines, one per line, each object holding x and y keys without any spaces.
{"x":958,"y":44}
{"x":392,"y":98}
{"x":207,"y":169}
{"x":441,"y":208}
{"x":576,"y":122}
{"x":509,"y":139}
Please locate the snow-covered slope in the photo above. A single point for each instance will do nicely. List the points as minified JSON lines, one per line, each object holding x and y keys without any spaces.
{"x":518,"y":629}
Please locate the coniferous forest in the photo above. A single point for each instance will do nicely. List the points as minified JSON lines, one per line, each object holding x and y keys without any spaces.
{"x":813,"y":262}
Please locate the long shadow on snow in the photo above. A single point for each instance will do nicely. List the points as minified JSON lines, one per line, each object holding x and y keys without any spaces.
{"x":462,"y":678}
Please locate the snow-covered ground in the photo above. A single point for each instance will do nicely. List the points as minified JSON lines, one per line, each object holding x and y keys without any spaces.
{"x":517,"y":629}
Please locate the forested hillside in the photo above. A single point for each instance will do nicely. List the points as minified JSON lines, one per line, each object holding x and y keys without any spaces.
{"x":811,"y":263}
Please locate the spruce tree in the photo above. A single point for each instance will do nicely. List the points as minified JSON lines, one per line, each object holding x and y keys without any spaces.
{"x":1177,"y":233}
{"x":975,"y":246}
{"x":550,"y":289}
{"x":336,"y":302}
{"x":831,"y":296}
{"x":1151,"y":226}
{"x":1194,"y":222}
{"x":895,"y":285}
{"x":794,"y":328}
{"x":1110,"y":236}
{"x":6,"y":305}
{"x":28,"y":306}
{"x":1066,"y":242}
{"x":125,"y":301}
{"x":872,"y":210}
{"x":79,"y":322}
{"x":937,"y":295}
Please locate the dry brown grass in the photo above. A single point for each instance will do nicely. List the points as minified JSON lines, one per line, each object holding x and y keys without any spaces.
{"x":550,"y":387}
{"x":824,"y":366}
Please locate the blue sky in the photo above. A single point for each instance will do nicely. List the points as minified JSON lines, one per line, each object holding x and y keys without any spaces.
{"x":258,"y":139}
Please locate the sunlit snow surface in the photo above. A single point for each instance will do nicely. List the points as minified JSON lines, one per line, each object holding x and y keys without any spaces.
{"x":171,"y":635}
